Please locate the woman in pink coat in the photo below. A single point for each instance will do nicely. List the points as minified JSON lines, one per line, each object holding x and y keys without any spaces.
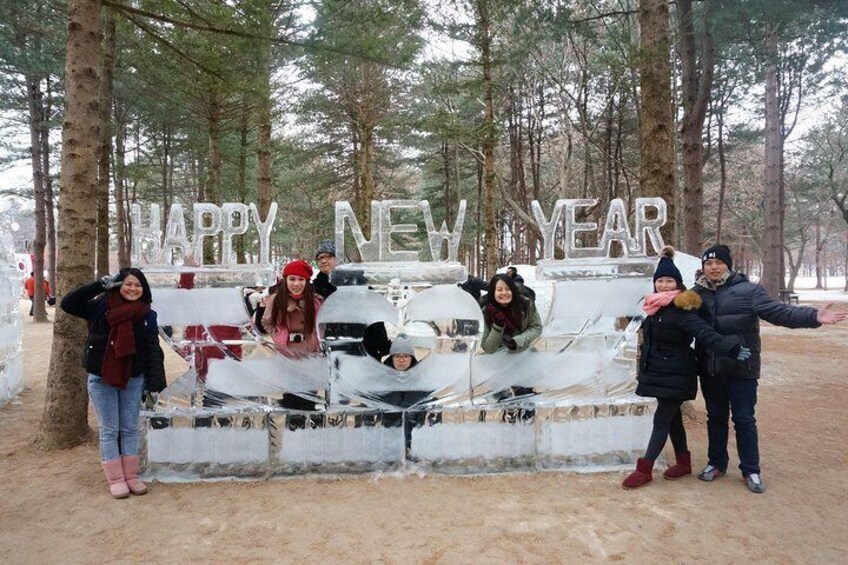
{"x":291,"y":312}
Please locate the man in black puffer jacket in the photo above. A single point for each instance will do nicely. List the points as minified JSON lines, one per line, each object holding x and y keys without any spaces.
{"x":734,"y":306}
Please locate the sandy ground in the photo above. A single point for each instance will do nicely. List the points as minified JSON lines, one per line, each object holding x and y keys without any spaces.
{"x":55,"y":507}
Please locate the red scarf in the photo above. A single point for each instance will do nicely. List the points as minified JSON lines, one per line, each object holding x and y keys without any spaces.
{"x":656,"y":300}
{"x":499,"y":315}
{"x":121,"y":315}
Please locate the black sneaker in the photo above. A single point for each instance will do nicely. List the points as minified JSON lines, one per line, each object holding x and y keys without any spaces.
{"x":710,"y":473}
{"x":755,"y":483}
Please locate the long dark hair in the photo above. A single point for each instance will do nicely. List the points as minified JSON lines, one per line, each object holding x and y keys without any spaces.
{"x":515,"y":310}
{"x":280,"y":305}
{"x":146,"y":295}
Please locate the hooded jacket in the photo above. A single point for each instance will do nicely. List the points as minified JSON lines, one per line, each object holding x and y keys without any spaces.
{"x":735,"y":308}
{"x":90,"y":302}
{"x":668,"y":367}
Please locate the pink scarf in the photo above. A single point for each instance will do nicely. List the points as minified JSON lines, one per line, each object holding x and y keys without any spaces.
{"x":656,"y":300}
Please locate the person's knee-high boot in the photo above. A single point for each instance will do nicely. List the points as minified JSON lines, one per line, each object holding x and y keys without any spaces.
{"x":130,"y":464}
{"x":641,"y":476}
{"x":115,"y":477}
{"x":682,"y":467}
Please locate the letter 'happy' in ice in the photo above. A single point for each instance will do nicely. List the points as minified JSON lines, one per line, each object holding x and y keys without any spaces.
{"x":230,"y":219}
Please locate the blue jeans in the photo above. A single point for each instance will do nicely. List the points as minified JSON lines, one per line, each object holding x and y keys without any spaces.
{"x":737,"y":397}
{"x":117,"y":412}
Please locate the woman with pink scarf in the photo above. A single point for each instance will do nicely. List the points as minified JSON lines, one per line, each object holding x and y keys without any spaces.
{"x":667,"y":365}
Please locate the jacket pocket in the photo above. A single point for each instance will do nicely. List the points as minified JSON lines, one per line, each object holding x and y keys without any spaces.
{"x":95,"y":347}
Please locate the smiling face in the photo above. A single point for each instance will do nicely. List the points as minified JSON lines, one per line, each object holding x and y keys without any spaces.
{"x":295,"y":284}
{"x":503,"y":295}
{"x":131,"y":288}
{"x":401,"y":361}
{"x":714,"y":269}
{"x":665,"y":284}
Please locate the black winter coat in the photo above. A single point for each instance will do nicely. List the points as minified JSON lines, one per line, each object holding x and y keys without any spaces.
{"x":89,"y":302}
{"x":668,"y":367}
{"x":735,"y":308}
{"x":322,"y":285}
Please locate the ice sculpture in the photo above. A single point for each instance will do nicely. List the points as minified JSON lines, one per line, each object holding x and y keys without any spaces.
{"x":11,"y":328}
{"x":242,"y":409}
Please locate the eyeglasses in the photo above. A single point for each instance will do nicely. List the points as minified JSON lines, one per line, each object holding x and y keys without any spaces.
{"x":325,"y":257}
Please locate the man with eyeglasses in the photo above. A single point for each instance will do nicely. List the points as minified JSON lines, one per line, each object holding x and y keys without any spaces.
{"x":325,"y":256}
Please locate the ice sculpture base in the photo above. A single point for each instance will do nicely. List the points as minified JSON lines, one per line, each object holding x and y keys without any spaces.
{"x":252,"y":445}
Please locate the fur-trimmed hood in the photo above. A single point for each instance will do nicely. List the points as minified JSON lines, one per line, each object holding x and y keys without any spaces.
{"x":688,"y":300}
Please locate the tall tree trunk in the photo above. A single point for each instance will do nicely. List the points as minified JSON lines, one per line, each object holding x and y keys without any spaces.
{"x":212,"y":190}
{"x":772,"y":278}
{"x":263,"y":141}
{"x":484,"y":42}
{"x":722,"y":162}
{"x":36,"y":117}
{"x":656,"y":131}
{"x":244,"y":120}
{"x":107,"y":66}
{"x":820,"y":267}
{"x":65,"y":419}
{"x":121,"y":208}
{"x":50,"y":217}
{"x":696,"y":85}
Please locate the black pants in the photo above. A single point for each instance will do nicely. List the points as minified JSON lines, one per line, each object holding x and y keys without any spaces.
{"x":668,"y":421}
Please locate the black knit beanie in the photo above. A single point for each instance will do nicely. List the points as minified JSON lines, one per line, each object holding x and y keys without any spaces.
{"x":720,"y":252}
{"x":666,"y":266}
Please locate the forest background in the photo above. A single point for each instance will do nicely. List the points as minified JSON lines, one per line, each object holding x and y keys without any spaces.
{"x":733,"y":111}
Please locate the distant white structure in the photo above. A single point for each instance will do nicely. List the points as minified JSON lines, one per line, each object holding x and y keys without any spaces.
{"x":11,"y":327}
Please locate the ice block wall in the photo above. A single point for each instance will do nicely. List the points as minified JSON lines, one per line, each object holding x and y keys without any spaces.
{"x":11,"y":327}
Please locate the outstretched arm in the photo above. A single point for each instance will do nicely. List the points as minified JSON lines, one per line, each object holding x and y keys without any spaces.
{"x":779,"y":314}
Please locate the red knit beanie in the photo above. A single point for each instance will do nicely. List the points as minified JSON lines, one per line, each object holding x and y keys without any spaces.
{"x":299,"y":268}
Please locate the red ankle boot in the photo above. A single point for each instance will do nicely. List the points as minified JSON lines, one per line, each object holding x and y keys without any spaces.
{"x":682,"y":467}
{"x":641,"y":476}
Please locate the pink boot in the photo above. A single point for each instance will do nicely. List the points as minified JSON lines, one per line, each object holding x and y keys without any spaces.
{"x":641,"y":476}
{"x":130,"y":465}
{"x":682,"y":467}
{"x":115,"y":477}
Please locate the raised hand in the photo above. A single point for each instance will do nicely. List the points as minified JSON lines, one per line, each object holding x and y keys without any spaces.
{"x":827,"y":316}
{"x":110,"y":281}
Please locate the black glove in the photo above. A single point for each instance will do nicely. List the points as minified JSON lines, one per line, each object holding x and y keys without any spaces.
{"x":110,"y":281}
{"x":743,"y":355}
{"x":500,"y":318}
{"x":509,"y":343}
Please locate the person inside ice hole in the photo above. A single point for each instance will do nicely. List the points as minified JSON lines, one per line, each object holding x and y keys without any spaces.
{"x":402,"y":358}
{"x":511,"y":323}
{"x":667,"y":365}
{"x":374,"y":338}
{"x":124,"y":361}
{"x":218,"y":333}
{"x":289,"y":318}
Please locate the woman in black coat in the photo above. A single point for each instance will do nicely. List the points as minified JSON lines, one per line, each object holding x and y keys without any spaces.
{"x":123,"y":359}
{"x":668,"y":367}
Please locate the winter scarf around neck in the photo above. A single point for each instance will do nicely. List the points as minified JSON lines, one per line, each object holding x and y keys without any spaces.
{"x":656,"y":300}
{"x":501,"y":316}
{"x":704,"y":282}
{"x":121,"y":316}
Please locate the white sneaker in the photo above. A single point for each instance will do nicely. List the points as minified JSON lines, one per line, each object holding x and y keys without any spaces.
{"x":755,"y":483}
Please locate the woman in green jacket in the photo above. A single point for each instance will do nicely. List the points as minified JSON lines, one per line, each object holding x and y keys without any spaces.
{"x":511,"y":320}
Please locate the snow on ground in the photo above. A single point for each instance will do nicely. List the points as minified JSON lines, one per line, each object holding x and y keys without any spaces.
{"x":805,"y":288}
